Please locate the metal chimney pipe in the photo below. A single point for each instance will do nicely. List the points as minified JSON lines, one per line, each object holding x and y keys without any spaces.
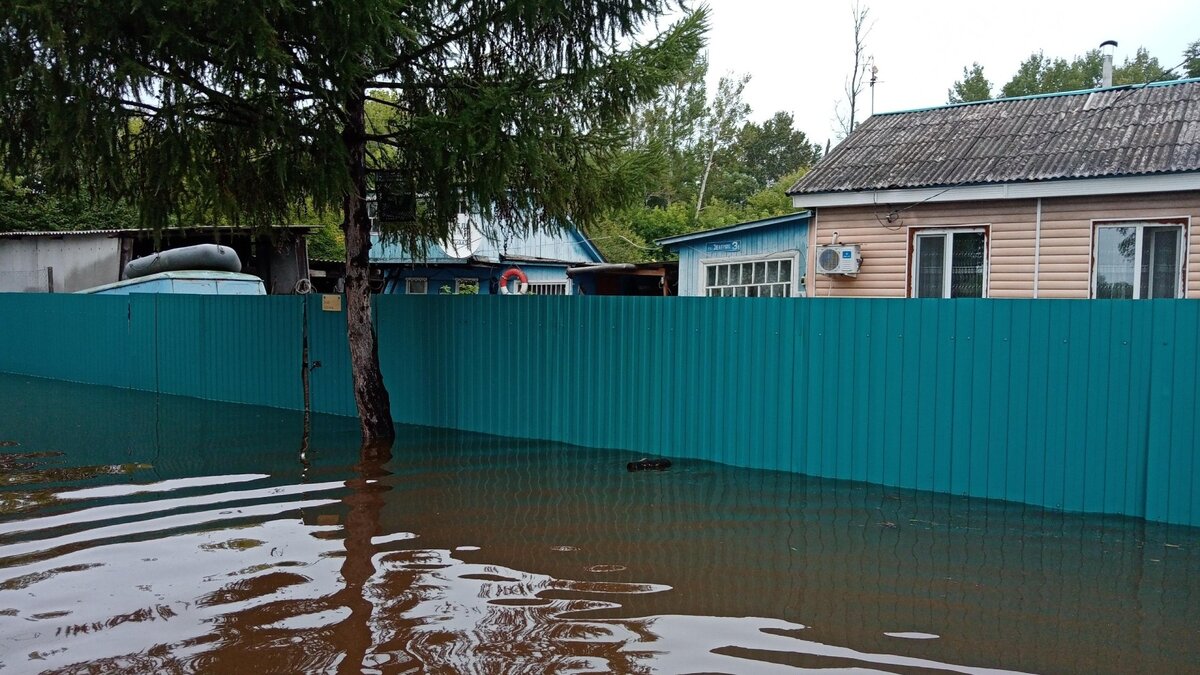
{"x":1106,"y":58}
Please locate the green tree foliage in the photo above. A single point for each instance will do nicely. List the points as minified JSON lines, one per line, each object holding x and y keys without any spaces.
{"x":24,"y":207}
{"x":681,"y":134}
{"x":629,"y":235}
{"x":668,"y":127}
{"x":973,"y":87}
{"x":249,"y":112}
{"x":244,"y":106}
{"x":719,"y":129}
{"x":1142,"y":68}
{"x":1191,"y":60}
{"x":773,"y":149}
{"x":1040,"y":74}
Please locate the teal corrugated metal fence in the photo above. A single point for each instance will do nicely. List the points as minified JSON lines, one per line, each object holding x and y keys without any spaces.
{"x":1076,"y":405}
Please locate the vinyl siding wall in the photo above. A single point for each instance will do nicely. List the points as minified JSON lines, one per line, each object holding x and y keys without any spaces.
{"x":1066,"y":241}
{"x":779,"y":240}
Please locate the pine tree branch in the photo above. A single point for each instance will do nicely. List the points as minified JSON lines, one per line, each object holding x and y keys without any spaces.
{"x":443,"y":41}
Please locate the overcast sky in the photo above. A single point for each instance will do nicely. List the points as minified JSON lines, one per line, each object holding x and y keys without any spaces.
{"x":800,"y":51}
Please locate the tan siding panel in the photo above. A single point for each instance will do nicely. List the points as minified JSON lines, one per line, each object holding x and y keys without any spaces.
{"x":1066,"y":245}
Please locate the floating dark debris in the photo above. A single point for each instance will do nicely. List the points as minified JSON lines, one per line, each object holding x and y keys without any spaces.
{"x":646,"y":464}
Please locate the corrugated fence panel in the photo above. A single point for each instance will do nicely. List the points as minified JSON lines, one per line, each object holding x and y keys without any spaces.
{"x":1075,"y":405}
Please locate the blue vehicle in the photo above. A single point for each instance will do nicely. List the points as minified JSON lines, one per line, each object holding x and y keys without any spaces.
{"x":205,"y":269}
{"x":203,"y":282}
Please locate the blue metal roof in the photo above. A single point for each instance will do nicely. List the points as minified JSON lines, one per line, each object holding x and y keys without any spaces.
{"x":566,"y":245}
{"x":791,"y":218}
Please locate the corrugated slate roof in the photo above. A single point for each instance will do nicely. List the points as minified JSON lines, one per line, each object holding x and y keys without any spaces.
{"x":1118,"y":131}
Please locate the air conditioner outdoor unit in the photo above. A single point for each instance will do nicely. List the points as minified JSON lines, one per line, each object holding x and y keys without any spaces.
{"x":838,"y":259}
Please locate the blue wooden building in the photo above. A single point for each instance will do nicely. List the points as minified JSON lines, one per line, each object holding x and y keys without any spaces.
{"x":478,"y":253}
{"x":762,"y":258}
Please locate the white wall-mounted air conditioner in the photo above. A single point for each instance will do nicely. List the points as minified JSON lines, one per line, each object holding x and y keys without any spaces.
{"x":839,"y":259}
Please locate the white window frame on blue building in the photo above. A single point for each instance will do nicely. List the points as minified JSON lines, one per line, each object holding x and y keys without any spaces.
{"x":408,"y":285}
{"x":550,"y":287}
{"x":464,"y":284}
{"x":750,"y":286}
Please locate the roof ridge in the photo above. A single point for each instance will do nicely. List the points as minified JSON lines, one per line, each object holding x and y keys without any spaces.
{"x":1031,"y":97}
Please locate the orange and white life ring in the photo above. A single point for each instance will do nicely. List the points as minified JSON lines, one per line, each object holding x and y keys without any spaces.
{"x":509,"y":275}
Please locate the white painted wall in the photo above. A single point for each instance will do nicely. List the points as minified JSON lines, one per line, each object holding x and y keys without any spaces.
{"x":79,"y":260}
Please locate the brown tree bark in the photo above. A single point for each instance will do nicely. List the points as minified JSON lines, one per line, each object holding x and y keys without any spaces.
{"x":370,"y":394}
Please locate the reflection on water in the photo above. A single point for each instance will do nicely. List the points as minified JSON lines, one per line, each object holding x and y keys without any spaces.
{"x":145,"y":534}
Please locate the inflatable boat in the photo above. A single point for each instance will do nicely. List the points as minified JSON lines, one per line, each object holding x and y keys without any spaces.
{"x":204,"y":269}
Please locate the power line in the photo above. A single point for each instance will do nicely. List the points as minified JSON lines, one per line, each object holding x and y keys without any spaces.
{"x":894,"y":214}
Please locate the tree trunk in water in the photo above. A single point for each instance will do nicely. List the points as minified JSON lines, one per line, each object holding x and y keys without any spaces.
{"x":370,"y":394}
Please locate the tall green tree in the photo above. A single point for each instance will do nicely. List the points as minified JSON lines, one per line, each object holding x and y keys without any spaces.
{"x":773,"y":149}
{"x":249,"y":111}
{"x":1039,"y":74}
{"x":973,"y":87}
{"x":1140,"y":69}
{"x":1191,"y":60}
{"x":669,"y":127}
{"x":719,"y":128}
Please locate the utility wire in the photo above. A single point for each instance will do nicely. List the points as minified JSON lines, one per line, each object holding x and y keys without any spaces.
{"x":1130,"y":89}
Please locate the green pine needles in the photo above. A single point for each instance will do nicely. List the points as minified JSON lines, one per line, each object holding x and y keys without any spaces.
{"x":240,"y":112}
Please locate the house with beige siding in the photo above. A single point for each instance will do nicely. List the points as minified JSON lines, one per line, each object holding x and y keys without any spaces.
{"x":1086,"y":194}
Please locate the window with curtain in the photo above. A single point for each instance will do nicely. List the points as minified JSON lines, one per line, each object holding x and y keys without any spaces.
{"x":1138,"y":260}
{"x":950,"y":264}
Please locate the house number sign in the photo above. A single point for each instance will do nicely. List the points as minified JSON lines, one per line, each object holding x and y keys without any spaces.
{"x":725,"y":247}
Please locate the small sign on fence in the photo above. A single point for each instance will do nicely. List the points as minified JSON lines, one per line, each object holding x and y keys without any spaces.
{"x":331,"y":303}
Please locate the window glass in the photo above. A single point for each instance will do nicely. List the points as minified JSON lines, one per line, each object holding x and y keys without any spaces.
{"x":1139,"y":260}
{"x":754,"y":279}
{"x":1115,"y":249}
{"x":548,"y":288}
{"x":1160,"y":262}
{"x":966,"y":265}
{"x":931,"y":256}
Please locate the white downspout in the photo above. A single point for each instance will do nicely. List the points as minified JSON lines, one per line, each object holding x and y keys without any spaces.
{"x":1037,"y":247}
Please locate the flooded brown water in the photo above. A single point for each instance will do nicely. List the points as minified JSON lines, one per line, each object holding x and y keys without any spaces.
{"x":156,"y":534}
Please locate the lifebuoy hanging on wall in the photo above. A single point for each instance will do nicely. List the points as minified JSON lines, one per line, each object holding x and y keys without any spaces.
{"x":522,"y":281}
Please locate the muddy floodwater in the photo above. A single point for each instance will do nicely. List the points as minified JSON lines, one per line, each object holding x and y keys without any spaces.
{"x":153,"y":534}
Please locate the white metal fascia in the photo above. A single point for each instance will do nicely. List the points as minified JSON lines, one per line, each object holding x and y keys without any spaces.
{"x":1084,"y":187}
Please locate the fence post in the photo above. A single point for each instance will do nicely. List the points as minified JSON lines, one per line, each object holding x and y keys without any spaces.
{"x":50,"y":279}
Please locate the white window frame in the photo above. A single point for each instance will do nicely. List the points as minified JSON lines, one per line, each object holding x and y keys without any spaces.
{"x":948,"y":270}
{"x":460,"y":281}
{"x":797,"y":290}
{"x":1183,"y":222}
{"x":408,"y":282}
{"x":565,"y":283}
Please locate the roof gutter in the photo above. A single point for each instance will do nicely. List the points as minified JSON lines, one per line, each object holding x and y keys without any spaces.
{"x":601,"y":269}
{"x":1082,"y":187}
